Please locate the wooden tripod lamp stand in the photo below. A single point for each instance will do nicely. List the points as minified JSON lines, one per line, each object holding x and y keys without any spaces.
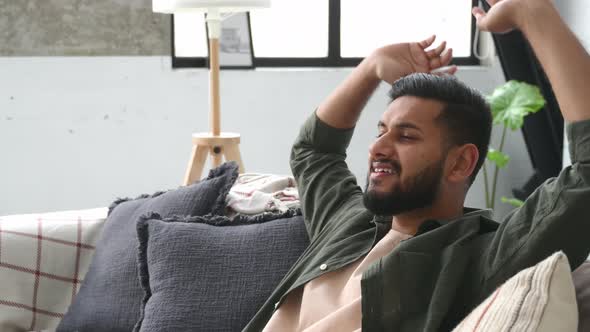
{"x":215,"y":143}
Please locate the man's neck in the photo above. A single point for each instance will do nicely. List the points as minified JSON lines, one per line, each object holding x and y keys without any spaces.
{"x":409,"y":222}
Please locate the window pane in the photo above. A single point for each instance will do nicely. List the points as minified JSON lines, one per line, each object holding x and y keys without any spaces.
{"x":190,"y":38}
{"x":291,"y":29}
{"x":369,"y":24}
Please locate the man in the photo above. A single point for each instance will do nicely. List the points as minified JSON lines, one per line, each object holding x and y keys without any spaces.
{"x":406,"y":255}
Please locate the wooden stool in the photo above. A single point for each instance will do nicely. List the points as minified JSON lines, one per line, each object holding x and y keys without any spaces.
{"x":225,"y":144}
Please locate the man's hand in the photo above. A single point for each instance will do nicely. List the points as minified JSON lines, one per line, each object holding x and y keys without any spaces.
{"x":507,"y":15}
{"x":343,"y":107}
{"x":395,"y":61}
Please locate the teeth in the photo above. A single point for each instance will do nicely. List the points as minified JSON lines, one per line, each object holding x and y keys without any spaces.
{"x":383,"y":170}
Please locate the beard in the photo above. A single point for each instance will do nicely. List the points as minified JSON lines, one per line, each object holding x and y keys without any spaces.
{"x":420,"y":192}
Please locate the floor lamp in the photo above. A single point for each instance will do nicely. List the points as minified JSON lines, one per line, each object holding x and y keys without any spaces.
{"x":215,"y":143}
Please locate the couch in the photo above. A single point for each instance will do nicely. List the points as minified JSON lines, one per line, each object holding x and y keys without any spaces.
{"x":169,"y":261}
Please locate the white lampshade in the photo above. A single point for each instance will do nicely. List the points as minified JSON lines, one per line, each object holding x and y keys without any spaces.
{"x":223,"y":6}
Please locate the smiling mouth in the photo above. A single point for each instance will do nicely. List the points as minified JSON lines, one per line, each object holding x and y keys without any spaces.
{"x":377,"y":173}
{"x":382,"y":168}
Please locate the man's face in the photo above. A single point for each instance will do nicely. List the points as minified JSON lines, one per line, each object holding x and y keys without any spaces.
{"x":406,"y":162}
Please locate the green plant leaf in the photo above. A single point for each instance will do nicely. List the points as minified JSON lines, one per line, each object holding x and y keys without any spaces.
{"x":514,"y":100}
{"x":498,"y":158}
{"x":513,"y":201}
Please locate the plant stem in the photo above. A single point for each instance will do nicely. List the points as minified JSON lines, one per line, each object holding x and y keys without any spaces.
{"x":498,"y":168}
{"x":487,"y":186}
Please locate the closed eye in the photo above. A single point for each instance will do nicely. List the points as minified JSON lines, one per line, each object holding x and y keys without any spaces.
{"x":403,"y":137}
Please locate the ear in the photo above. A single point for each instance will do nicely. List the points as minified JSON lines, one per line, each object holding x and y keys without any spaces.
{"x":461,"y":162}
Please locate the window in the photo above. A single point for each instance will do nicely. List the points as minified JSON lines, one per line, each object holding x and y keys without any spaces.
{"x":334,"y":33}
{"x":190,"y":35}
{"x":288,"y":37}
{"x":370,"y":24}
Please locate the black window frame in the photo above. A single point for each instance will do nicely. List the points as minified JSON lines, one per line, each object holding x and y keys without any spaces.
{"x":332,"y":60}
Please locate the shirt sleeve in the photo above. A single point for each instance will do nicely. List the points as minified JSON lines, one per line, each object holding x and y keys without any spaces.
{"x":555,"y":217}
{"x":326,"y":185}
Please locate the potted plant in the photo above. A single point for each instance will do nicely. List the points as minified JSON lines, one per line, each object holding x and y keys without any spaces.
{"x":509,"y":103}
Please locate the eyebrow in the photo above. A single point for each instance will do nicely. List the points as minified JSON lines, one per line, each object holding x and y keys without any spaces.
{"x":401,"y":125}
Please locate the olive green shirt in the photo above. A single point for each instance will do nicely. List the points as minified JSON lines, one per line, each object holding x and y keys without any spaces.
{"x":433,"y":280}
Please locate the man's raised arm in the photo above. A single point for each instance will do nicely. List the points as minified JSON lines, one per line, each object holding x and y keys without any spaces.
{"x":563,"y":58}
{"x":343,"y":107}
{"x":553,"y":216}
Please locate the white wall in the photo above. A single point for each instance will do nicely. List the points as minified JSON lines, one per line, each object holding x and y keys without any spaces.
{"x":79,"y":132}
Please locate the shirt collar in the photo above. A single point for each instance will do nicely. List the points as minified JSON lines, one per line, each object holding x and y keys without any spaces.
{"x":468,"y":212}
{"x":432,"y":224}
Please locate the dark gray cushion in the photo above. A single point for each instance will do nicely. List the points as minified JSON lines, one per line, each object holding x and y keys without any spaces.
{"x":200,"y":277}
{"x":111,"y":295}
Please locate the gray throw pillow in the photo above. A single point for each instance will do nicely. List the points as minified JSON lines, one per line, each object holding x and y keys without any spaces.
{"x":200,"y":277}
{"x":111,"y":295}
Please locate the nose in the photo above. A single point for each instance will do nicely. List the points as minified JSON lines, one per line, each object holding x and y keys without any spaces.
{"x":381,"y":149}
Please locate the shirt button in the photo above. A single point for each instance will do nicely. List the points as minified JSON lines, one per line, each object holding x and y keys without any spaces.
{"x":323,"y":267}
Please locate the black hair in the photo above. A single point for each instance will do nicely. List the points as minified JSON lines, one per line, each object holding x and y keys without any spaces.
{"x":466,"y":116}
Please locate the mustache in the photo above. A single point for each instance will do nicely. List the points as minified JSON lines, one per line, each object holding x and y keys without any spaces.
{"x":395,"y":165}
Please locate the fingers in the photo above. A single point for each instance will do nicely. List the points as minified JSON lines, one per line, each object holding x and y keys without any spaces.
{"x":442,"y":60}
{"x":437,"y":51}
{"x":436,"y":58}
{"x":452,"y":70}
{"x":502,"y":17}
{"x":446,"y":57}
{"x":427,"y":42}
{"x":478,"y":13}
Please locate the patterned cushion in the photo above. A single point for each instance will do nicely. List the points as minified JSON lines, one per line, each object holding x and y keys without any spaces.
{"x":110,"y":297}
{"x":200,"y":277}
{"x":43,"y":259}
{"x":540,"y":298}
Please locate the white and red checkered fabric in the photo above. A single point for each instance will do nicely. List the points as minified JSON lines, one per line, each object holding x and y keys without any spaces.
{"x":43,"y":260}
